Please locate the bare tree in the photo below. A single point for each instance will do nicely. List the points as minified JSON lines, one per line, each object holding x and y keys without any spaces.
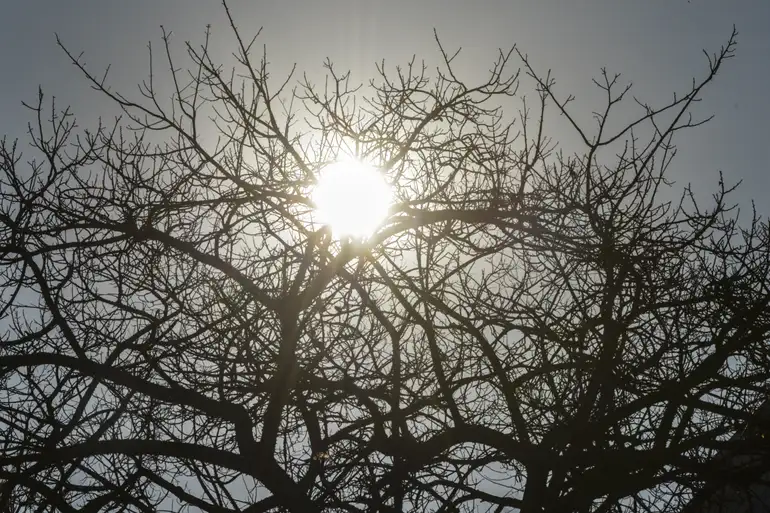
{"x":528,"y":330}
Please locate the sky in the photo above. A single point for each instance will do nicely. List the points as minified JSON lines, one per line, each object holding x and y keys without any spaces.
{"x":655,"y":44}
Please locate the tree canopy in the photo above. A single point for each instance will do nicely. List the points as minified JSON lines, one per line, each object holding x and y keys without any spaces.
{"x":529,"y":330}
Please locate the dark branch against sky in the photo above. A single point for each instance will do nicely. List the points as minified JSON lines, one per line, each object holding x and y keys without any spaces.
{"x":598,"y":236}
{"x":656,"y":45}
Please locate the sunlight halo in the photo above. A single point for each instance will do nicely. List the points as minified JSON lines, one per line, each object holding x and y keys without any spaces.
{"x":352,"y":198}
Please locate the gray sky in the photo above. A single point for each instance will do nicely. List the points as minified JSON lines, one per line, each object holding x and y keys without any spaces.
{"x":656,"y":44}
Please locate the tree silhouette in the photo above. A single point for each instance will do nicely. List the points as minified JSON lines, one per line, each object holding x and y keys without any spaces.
{"x":528,"y":331}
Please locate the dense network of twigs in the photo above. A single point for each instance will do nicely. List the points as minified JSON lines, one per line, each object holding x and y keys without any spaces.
{"x":528,"y":331}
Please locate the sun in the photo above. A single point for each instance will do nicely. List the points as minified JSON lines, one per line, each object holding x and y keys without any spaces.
{"x":352,"y":198}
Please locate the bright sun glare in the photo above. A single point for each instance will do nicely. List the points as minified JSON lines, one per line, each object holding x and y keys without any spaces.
{"x":352,"y":198}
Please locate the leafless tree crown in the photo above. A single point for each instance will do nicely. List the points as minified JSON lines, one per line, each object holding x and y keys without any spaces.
{"x":528,"y":331}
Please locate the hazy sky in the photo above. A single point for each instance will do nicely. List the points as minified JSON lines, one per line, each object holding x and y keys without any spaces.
{"x":656,"y":44}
